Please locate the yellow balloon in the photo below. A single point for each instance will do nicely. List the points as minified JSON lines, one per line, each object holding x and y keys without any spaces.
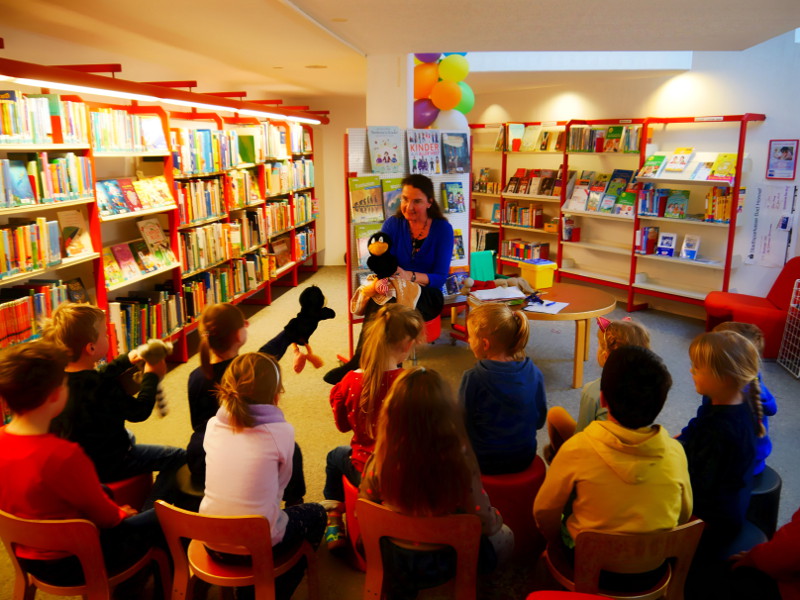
{"x":425,"y":77}
{"x":453,"y":68}
{"x":446,"y":95}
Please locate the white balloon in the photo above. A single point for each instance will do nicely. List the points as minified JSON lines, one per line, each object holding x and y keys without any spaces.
{"x":451,"y":119}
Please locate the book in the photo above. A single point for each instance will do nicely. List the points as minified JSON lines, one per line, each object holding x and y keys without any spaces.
{"x":115,"y":196}
{"x":424,"y":152}
{"x":529,"y":138}
{"x":496,"y":213}
{"x":76,"y":291}
{"x":103,"y":201}
{"x":702,"y":170}
{"x":677,"y":204}
{"x":691,"y":244}
{"x":129,"y":193}
{"x":385,"y":149}
{"x":645,"y":240}
{"x":156,"y":241}
{"x":546,"y":140}
{"x":111,"y":269}
{"x":153,"y":138}
{"x":18,"y":184}
{"x":607,"y":204}
{"x":679,"y":160}
{"x":127,"y":264}
{"x":626,"y":204}
{"x":613,"y":138}
{"x":666,"y":244}
{"x":455,"y":152}
{"x":362,"y":232}
{"x":516,"y":131}
{"x":392,"y":192}
{"x":500,"y":139}
{"x":281,"y":247}
{"x":652,"y":165}
{"x":455,"y":281}
{"x":580,"y":195}
{"x":619,"y":181}
{"x":366,"y":202}
{"x":141,"y":254}
{"x":74,"y":232}
{"x":724,"y":167}
{"x":453,"y":197}
{"x":458,"y":245}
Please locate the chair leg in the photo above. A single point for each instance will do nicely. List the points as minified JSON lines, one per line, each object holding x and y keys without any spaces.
{"x":164,"y":573}
{"x":312,"y":574}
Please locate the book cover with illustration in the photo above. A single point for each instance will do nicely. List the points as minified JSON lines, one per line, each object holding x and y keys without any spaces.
{"x":115,"y":196}
{"x":691,"y":244}
{"x":362,"y":233}
{"x":666,"y":244}
{"x":580,"y":194}
{"x":392,"y":191}
{"x":625,"y":204}
{"x":516,"y":132}
{"x":458,"y":245}
{"x":158,"y":243}
{"x":153,"y":138}
{"x":17,"y":183}
{"x":455,"y":152}
{"x":677,"y":204}
{"x":103,"y":201}
{"x":130,"y":195}
{"x":424,"y":152}
{"x":679,"y":160}
{"x":385,"y":149}
{"x":126,"y":262}
{"x":724,"y":167}
{"x":76,"y":291}
{"x":453,"y":197}
{"x":366,"y":199}
{"x":652,"y":165}
{"x":529,"y":138}
{"x":613,"y":138}
{"x":74,"y":232}
{"x":141,"y":254}
{"x":111,"y":269}
{"x":455,"y":281}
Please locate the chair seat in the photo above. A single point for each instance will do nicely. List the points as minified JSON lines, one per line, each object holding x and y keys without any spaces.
{"x":209,"y":569}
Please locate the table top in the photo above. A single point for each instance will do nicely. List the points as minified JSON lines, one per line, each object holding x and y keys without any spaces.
{"x":583,"y":302}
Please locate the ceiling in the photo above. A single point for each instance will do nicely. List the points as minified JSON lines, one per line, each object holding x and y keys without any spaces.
{"x":315,"y":49}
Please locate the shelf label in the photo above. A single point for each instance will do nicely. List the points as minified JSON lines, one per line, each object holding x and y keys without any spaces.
{"x":625,"y":121}
{"x":700,"y":119}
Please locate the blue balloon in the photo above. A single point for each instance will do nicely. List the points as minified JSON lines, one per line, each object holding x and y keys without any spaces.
{"x":449,"y":53}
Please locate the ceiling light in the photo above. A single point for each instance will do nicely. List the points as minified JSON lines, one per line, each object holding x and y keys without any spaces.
{"x":316,"y":66}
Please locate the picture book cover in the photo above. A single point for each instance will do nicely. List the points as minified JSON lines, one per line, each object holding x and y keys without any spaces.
{"x":453,"y":197}
{"x":362,"y":233}
{"x":580,"y":194}
{"x":607,"y":204}
{"x":141,"y":254}
{"x":126,"y":262}
{"x":156,"y":241}
{"x":18,"y":184}
{"x":677,"y":204}
{"x":153,"y":138}
{"x":455,"y":281}
{"x":147,"y":196}
{"x":129,"y":193}
{"x":103,"y":201}
{"x":595,"y":198}
{"x":666,"y":244}
{"x":111,"y":269}
{"x":458,"y":245}
{"x":424,"y":152}
{"x":76,"y":291}
{"x":115,"y":196}
{"x":282,"y":250}
{"x":679,"y":160}
{"x":625,"y":205}
{"x":500,"y":138}
{"x":74,"y":232}
{"x":516,"y":132}
{"x":455,"y":152}
{"x":691,"y":244}
{"x":366,"y":199}
{"x":613,"y":138}
{"x":702,"y":170}
{"x":159,"y":186}
{"x":724,"y":167}
{"x":529,"y":138}
{"x":620,"y":179}
{"x":392,"y":191}
{"x":652,"y":165}
{"x":385,"y":149}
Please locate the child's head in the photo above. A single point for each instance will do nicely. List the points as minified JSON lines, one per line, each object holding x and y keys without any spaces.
{"x":723,"y":361}
{"x":80,"y":328}
{"x":251,"y":378}
{"x":30,"y":373}
{"x":496,"y":330}
{"x":748,"y":330}
{"x":634,"y":385}
{"x":222,"y":328}
{"x":616,"y":334}
{"x":388,"y":339}
{"x":419,"y":450}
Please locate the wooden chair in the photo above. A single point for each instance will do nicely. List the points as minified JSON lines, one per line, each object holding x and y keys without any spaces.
{"x":353,"y":527}
{"x":597,"y":551}
{"x":249,"y":532}
{"x":557,"y":595}
{"x":461,"y":532}
{"x":81,"y":539}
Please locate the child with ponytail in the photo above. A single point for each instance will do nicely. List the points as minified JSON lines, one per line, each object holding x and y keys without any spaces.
{"x":356,"y":402}
{"x":503,"y":396}
{"x":249,"y":447}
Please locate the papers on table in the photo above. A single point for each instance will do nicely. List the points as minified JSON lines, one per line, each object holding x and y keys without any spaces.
{"x":498,"y":294}
{"x":550,"y":308}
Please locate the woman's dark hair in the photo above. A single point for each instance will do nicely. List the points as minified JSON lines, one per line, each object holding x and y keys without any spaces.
{"x":424,"y":185}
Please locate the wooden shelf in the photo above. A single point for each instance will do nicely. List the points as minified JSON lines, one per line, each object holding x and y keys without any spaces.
{"x":693,"y":222}
{"x":684,"y":293}
{"x":28,"y":208}
{"x":529,"y":229}
{"x":127,"y":282}
{"x":139,"y":213}
{"x":621,"y":250}
{"x":585,"y":274}
{"x":598,"y":215}
{"x":719,"y":266}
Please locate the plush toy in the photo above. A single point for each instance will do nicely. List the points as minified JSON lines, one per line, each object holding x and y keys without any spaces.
{"x":381,"y":262}
{"x":153,"y":352}
{"x":299,"y":329}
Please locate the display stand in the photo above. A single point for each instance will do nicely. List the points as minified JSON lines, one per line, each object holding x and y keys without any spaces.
{"x":789,"y":355}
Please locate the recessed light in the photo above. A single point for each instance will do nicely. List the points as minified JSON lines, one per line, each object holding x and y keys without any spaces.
{"x":339,"y":20}
{"x":277,"y":67}
{"x":316,"y":66}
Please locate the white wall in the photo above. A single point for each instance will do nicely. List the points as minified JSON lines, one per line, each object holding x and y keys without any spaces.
{"x":763,"y":79}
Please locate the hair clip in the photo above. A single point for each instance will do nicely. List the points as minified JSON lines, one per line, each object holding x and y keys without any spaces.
{"x":603,"y":323}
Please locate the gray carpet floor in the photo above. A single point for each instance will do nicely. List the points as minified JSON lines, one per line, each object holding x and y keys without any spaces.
{"x":305,"y":404}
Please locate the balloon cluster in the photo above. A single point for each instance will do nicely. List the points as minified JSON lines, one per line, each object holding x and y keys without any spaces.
{"x":441,"y":97}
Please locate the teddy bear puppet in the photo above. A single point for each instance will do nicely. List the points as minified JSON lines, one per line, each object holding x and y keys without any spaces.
{"x":153,"y":352}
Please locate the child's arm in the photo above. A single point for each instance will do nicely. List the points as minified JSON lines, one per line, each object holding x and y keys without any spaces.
{"x":780,"y":557}
{"x":554,"y":493}
{"x":138,"y":408}
{"x":119,"y":365}
{"x":541,"y":399}
{"x":590,"y":405}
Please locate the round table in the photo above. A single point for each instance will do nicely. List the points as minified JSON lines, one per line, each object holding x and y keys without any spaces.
{"x":584,"y":303}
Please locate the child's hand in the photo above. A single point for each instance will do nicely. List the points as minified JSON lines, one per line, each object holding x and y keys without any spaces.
{"x":129,"y":511}
{"x":134,"y":357}
{"x":159,"y":368}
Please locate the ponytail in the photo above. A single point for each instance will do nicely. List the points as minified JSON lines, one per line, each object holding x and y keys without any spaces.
{"x":753,"y":397}
{"x":507,"y":330}
{"x":252,"y":378}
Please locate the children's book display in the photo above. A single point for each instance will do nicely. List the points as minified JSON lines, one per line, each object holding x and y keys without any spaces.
{"x":392,"y":191}
{"x":677,"y":204}
{"x":424,"y":152}
{"x":652,"y":166}
{"x":691,"y":244}
{"x":385,"y":149}
{"x":366,"y":201}
{"x":362,"y":232}
{"x":455,"y":152}
{"x":156,"y":241}
{"x":74,"y":232}
{"x":724,"y":167}
{"x":458,"y":245}
{"x":679,"y":160}
{"x":666,"y":244}
{"x":453,"y":197}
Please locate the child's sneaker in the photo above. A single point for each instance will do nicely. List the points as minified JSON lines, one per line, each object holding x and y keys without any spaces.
{"x":334,"y":532}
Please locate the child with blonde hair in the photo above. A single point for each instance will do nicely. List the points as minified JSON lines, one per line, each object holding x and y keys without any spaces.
{"x":503,"y":396}
{"x":249,"y":447}
{"x":223,"y":331}
{"x":357,"y":399}
{"x":610,"y":336}
{"x":99,"y":404}
{"x":423,"y":466}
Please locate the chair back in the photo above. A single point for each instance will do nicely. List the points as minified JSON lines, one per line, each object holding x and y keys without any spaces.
{"x":461,"y":532}
{"x":252,"y":533}
{"x":353,"y":526}
{"x":597,"y":551}
{"x":780,"y":294}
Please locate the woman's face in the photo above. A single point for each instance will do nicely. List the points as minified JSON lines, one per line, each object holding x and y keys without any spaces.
{"x":414,"y":204}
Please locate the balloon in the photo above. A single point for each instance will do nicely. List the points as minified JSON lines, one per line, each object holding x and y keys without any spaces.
{"x":451,"y":119}
{"x":425,"y":113}
{"x":446,"y":95}
{"x":453,"y":68}
{"x":467,"y":98}
{"x":428,"y":58}
{"x":451,"y":53}
{"x":425,"y":77}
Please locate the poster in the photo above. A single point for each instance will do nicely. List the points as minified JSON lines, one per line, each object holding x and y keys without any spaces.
{"x":773,"y":222}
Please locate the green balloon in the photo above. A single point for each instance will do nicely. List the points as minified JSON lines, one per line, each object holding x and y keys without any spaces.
{"x":467,"y":98}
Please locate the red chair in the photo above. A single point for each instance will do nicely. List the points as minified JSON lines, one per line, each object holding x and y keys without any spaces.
{"x":353,"y":529}
{"x":555,"y":595}
{"x":433,"y":329}
{"x":768,"y":313}
{"x":132,"y":491}
{"x":513,"y":496}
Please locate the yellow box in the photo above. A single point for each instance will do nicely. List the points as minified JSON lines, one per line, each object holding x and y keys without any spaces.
{"x":539,"y":274}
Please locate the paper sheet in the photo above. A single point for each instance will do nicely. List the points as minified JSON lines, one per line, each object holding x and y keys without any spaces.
{"x":549,"y":308}
{"x":498,"y":293}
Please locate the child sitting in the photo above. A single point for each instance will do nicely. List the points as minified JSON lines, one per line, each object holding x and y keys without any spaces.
{"x":357,"y":399}
{"x":610,"y":336}
{"x":99,"y":405}
{"x":46,"y":477}
{"x":423,"y":466}
{"x":626,"y":474}
{"x":503,"y":396}
{"x":249,"y":447}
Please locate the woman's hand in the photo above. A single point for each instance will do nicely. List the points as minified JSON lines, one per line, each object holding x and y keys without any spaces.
{"x":403,"y":274}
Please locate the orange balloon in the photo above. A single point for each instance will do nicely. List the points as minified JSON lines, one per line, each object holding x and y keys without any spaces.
{"x":446,"y":95}
{"x":425,"y":77}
